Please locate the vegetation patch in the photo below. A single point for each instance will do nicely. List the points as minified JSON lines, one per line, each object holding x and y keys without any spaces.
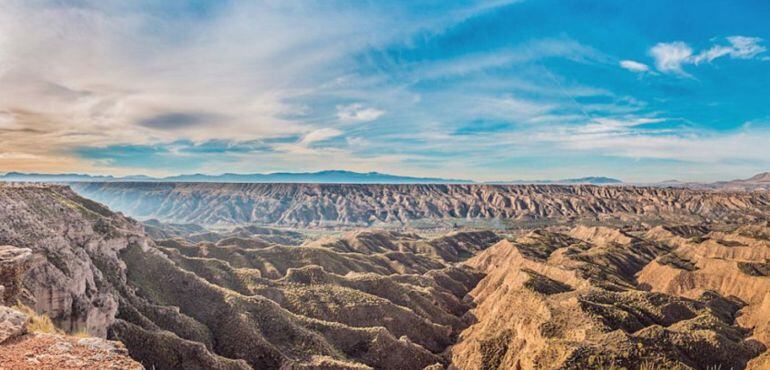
{"x":544,"y":285}
{"x":731,"y":243}
{"x":39,"y":323}
{"x":755,"y":268}
{"x":676,"y":261}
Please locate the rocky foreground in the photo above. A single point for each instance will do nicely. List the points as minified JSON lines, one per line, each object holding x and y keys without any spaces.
{"x":688,"y":296}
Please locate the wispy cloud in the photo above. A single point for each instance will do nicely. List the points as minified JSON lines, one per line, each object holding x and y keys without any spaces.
{"x":320,"y":134}
{"x":741,"y":47}
{"x":671,"y":57}
{"x":430,"y":88}
{"x":358,"y":113}
{"x":634,"y":66}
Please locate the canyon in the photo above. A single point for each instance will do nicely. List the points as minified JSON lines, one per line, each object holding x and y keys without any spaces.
{"x":242,"y":276}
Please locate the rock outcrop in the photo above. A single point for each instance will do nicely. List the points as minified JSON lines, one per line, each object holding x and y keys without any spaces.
{"x":14,"y":263}
{"x":76,"y":243}
{"x":22,"y":349}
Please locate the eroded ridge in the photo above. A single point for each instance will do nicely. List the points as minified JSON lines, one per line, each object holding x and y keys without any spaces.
{"x":599,"y":297}
{"x":357,"y":205}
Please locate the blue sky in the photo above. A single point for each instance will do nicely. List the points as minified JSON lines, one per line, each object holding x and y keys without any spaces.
{"x":494,"y":90}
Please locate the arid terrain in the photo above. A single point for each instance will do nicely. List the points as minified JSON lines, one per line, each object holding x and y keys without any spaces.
{"x":263,"y":276}
{"x":348,"y":205}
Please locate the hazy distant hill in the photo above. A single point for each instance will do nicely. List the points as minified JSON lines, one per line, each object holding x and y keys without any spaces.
{"x":333,"y":176}
{"x":758,"y":182}
{"x":590,"y":180}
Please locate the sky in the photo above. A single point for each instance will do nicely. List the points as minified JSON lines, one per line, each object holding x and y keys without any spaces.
{"x":498,"y":90}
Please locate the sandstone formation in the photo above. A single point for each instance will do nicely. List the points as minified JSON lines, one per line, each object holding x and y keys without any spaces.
{"x":366,"y":205}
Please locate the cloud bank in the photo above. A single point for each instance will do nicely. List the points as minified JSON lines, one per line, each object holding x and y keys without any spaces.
{"x":424,"y":89}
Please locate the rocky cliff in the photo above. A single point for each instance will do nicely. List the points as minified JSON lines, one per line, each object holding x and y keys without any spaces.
{"x":366,"y":205}
{"x":23,"y":346}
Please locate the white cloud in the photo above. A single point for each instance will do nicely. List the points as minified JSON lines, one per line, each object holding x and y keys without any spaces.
{"x":320,"y":134}
{"x":634,"y":66}
{"x":85,"y":75}
{"x":304,"y":146}
{"x":669,"y":57}
{"x":18,"y":155}
{"x":610,"y":125}
{"x":745,"y":47}
{"x":526,"y":52}
{"x":358,"y":113}
{"x":632,"y":137}
{"x":508,"y":107}
{"x":741,"y":47}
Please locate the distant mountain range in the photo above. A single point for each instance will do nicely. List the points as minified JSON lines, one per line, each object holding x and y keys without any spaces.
{"x":324,"y":177}
{"x":592,"y":180}
{"x":333,"y":176}
{"x":759,"y":182}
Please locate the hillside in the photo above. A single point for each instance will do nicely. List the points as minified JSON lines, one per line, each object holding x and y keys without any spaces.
{"x":758,"y":182}
{"x":319,"y":205}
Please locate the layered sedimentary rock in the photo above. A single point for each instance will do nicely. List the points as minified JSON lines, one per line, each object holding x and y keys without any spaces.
{"x":230,"y":304}
{"x":601,"y":297}
{"x":365,"y":205}
{"x":21,"y":348}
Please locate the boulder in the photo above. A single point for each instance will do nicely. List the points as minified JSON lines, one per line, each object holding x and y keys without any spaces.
{"x":14,"y":262}
{"x":12,"y":323}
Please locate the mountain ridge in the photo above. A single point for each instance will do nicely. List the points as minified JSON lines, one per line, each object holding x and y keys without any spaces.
{"x":346,"y":205}
{"x":319,"y":177}
{"x":328,"y":176}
